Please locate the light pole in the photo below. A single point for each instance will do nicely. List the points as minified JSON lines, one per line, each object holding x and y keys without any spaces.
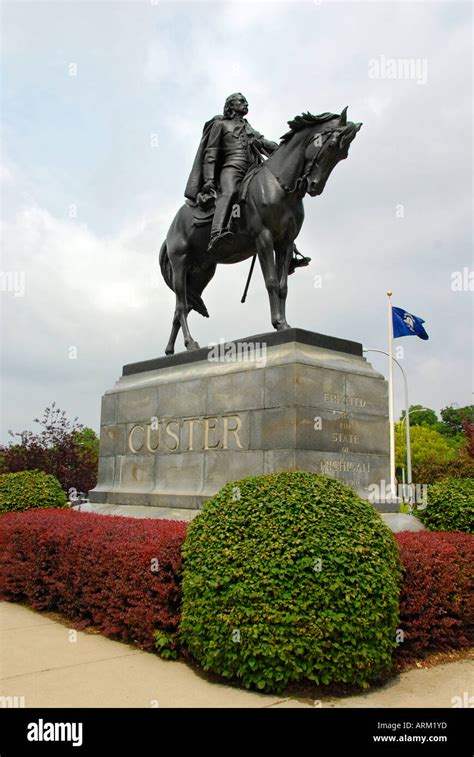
{"x":407,"y":416}
{"x":391,"y":419}
{"x":407,"y":413}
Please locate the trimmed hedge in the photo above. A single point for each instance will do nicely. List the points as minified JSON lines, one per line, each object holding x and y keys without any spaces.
{"x":29,"y":489}
{"x":450,"y":506}
{"x":118,"y":574}
{"x":290,"y":577}
{"x":436,"y":603}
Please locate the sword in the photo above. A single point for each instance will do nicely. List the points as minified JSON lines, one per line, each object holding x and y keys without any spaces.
{"x":252,"y":265}
{"x":244,"y":296}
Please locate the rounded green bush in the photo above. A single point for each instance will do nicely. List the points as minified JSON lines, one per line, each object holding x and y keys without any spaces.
{"x":290,"y":577}
{"x":450,"y":506}
{"x":30,"y":488}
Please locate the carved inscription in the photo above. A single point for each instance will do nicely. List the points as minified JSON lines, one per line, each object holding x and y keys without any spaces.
{"x":345,"y":435}
{"x":344,"y":399}
{"x":186,"y":434}
{"x":351,"y":472}
{"x":348,"y":470}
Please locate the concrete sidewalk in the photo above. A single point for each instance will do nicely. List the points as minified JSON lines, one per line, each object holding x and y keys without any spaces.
{"x":42,"y":663}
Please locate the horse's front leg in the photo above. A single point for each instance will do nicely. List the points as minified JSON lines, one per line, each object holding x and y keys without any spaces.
{"x":182,"y":310}
{"x":283,"y":254}
{"x":264,"y":245}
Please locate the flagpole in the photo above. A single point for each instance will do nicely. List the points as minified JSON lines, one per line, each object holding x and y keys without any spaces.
{"x":390,"y":397}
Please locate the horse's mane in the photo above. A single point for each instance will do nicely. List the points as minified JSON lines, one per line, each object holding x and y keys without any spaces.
{"x":306,"y":119}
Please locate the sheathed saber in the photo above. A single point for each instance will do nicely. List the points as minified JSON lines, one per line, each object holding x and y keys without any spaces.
{"x":252,"y":265}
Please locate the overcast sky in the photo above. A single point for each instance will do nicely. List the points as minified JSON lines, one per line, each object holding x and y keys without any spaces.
{"x":103,"y":106}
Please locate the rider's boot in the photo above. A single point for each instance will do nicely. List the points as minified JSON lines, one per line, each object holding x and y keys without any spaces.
{"x":297,"y":261}
{"x":221,"y":212}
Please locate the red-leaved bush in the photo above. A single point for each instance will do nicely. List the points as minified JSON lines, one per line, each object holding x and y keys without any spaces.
{"x":121,"y":575}
{"x":436,"y":602}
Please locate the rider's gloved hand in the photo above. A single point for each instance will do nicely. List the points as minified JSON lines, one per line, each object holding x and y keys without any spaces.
{"x":209,"y":188}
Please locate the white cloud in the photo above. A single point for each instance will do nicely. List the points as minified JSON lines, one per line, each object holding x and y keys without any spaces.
{"x":157,"y":65}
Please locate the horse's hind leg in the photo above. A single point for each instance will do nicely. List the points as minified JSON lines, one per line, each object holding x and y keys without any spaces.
{"x":182,"y":310}
{"x":174,"y":333}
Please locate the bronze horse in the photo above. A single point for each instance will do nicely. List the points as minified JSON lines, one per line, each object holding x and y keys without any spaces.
{"x":271,"y":219}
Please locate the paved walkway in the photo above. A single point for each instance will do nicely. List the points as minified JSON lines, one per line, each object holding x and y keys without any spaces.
{"x":41,"y":662}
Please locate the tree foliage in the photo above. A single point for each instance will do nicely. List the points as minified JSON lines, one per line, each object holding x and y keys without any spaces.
{"x":65,"y":449}
{"x":453,"y":418}
{"x":427,"y":444}
{"x":421,"y":416}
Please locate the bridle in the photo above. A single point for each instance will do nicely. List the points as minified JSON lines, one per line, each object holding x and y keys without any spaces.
{"x":328,"y":134}
{"x":300,"y":186}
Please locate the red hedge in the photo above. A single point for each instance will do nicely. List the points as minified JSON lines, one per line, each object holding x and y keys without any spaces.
{"x":95,"y":569}
{"x":436,"y":602}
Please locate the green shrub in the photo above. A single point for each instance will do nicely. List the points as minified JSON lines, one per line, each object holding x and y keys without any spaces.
{"x":29,"y":488}
{"x":166,"y":645}
{"x":290,"y":577}
{"x":450,"y":506}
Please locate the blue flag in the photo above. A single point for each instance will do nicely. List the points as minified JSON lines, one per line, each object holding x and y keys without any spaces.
{"x":407,"y":324}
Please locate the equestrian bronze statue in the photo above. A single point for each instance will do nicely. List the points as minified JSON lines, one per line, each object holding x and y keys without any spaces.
{"x":245,"y":199}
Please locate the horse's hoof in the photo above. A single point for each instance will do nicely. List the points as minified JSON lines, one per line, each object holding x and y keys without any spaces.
{"x":282,"y":326}
{"x":169,"y":351}
{"x":192,"y":345}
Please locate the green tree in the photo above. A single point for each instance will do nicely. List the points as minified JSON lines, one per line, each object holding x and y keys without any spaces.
{"x":453,"y":417}
{"x":88,"y":440}
{"x":421,"y":416}
{"x":427,"y":445}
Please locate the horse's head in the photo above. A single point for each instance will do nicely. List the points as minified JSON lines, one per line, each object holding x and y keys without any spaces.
{"x":325,"y":149}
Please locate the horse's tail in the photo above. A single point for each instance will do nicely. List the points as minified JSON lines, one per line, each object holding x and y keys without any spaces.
{"x":194,"y":298}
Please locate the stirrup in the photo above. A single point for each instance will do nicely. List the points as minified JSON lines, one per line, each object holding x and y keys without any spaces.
{"x":212,"y":242}
{"x":222,"y":237}
{"x":298,"y":261}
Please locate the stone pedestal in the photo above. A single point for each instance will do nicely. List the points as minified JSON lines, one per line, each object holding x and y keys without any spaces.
{"x":175,"y":429}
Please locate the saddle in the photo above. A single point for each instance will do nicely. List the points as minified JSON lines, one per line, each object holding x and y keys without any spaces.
{"x":203,"y":209}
